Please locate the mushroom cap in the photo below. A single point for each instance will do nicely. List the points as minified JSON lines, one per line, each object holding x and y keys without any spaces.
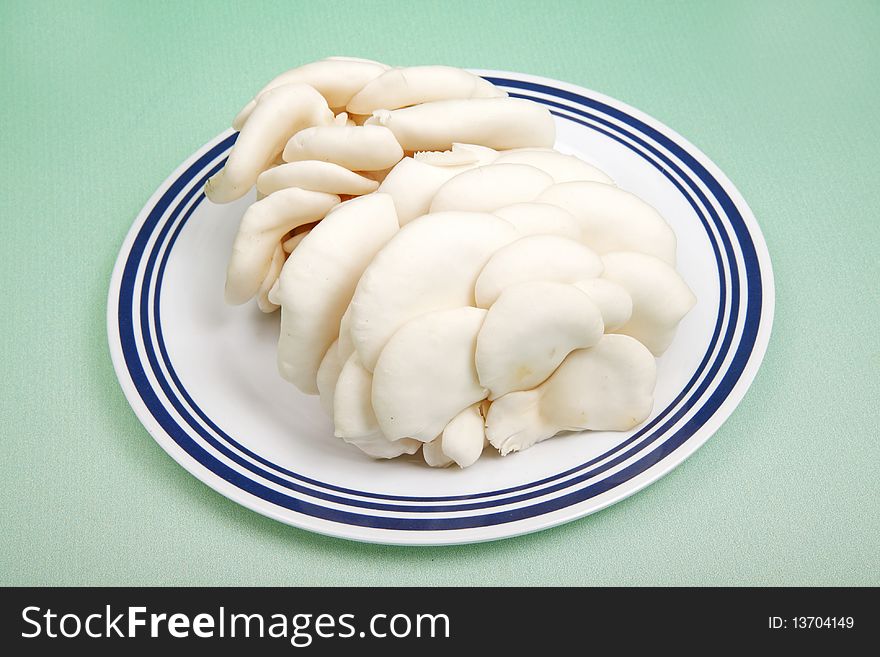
{"x":560,"y":167}
{"x":426,"y":376}
{"x":317,"y":176}
{"x":540,"y":219}
{"x":414,"y":181}
{"x":464,"y":437}
{"x":608,"y":387}
{"x":433,"y":454}
{"x":337,"y":79}
{"x":402,"y":87}
{"x":431,"y":264}
{"x":614,"y":220}
{"x":613,"y":301}
{"x":353,"y":415}
{"x":319,"y":278}
{"x":357,"y":148}
{"x":263,"y":225}
{"x":279,"y":114}
{"x":490,"y":187}
{"x":529,"y":330}
{"x":660,"y":297}
{"x":535,"y":258}
{"x":499,"y":123}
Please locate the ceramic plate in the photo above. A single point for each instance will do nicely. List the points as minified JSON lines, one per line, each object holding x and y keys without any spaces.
{"x":202,"y":378}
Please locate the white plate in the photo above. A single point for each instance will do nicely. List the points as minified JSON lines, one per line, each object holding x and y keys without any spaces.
{"x":201,"y":375}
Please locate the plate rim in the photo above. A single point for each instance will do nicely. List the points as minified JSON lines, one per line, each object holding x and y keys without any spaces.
{"x":480,"y":533}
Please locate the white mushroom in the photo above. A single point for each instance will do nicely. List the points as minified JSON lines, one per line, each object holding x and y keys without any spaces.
{"x":317,"y":176}
{"x":263,"y":225}
{"x":279,"y":115}
{"x":562,"y":168}
{"x":433,"y":454}
{"x":358,"y":148}
{"x":490,"y":187}
{"x":613,"y":301}
{"x":319,"y":277}
{"x":608,"y":387}
{"x":328,"y":375}
{"x":535,"y":258}
{"x":412,"y":184}
{"x":660,"y":297}
{"x":337,"y":79}
{"x":402,"y":87}
{"x":354,"y":419}
{"x":540,"y":219}
{"x":426,"y":376}
{"x":263,"y":301}
{"x":414,"y":181}
{"x":431,"y":264}
{"x":495,"y":122}
{"x":529,"y":330}
{"x":614,"y":220}
{"x":464,"y":437}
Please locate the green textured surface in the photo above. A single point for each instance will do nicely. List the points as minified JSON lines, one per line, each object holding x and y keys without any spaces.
{"x":101,"y":101}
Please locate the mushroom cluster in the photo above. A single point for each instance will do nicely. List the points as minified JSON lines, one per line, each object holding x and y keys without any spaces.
{"x":446,"y":279}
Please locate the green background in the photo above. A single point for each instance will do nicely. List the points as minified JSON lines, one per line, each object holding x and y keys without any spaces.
{"x":101,"y":101}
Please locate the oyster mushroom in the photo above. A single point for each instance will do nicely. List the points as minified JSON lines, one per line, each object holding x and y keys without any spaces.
{"x":426,"y":376}
{"x":354,"y":418}
{"x":464,"y":437}
{"x":614,"y":220}
{"x":540,"y":219}
{"x":608,"y":387}
{"x":535,"y":258}
{"x":357,"y":148}
{"x":279,"y":115}
{"x":337,"y":79}
{"x":263,"y":225}
{"x":560,"y":167}
{"x":499,"y":123}
{"x":431,"y":264}
{"x":529,"y":330}
{"x":613,"y":301}
{"x":660,"y":297}
{"x":414,"y":181}
{"x":319,"y":277}
{"x":433,"y":454}
{"x":316,"y":176}
{"x":412,"y":85}
{"x":490,"y":187}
